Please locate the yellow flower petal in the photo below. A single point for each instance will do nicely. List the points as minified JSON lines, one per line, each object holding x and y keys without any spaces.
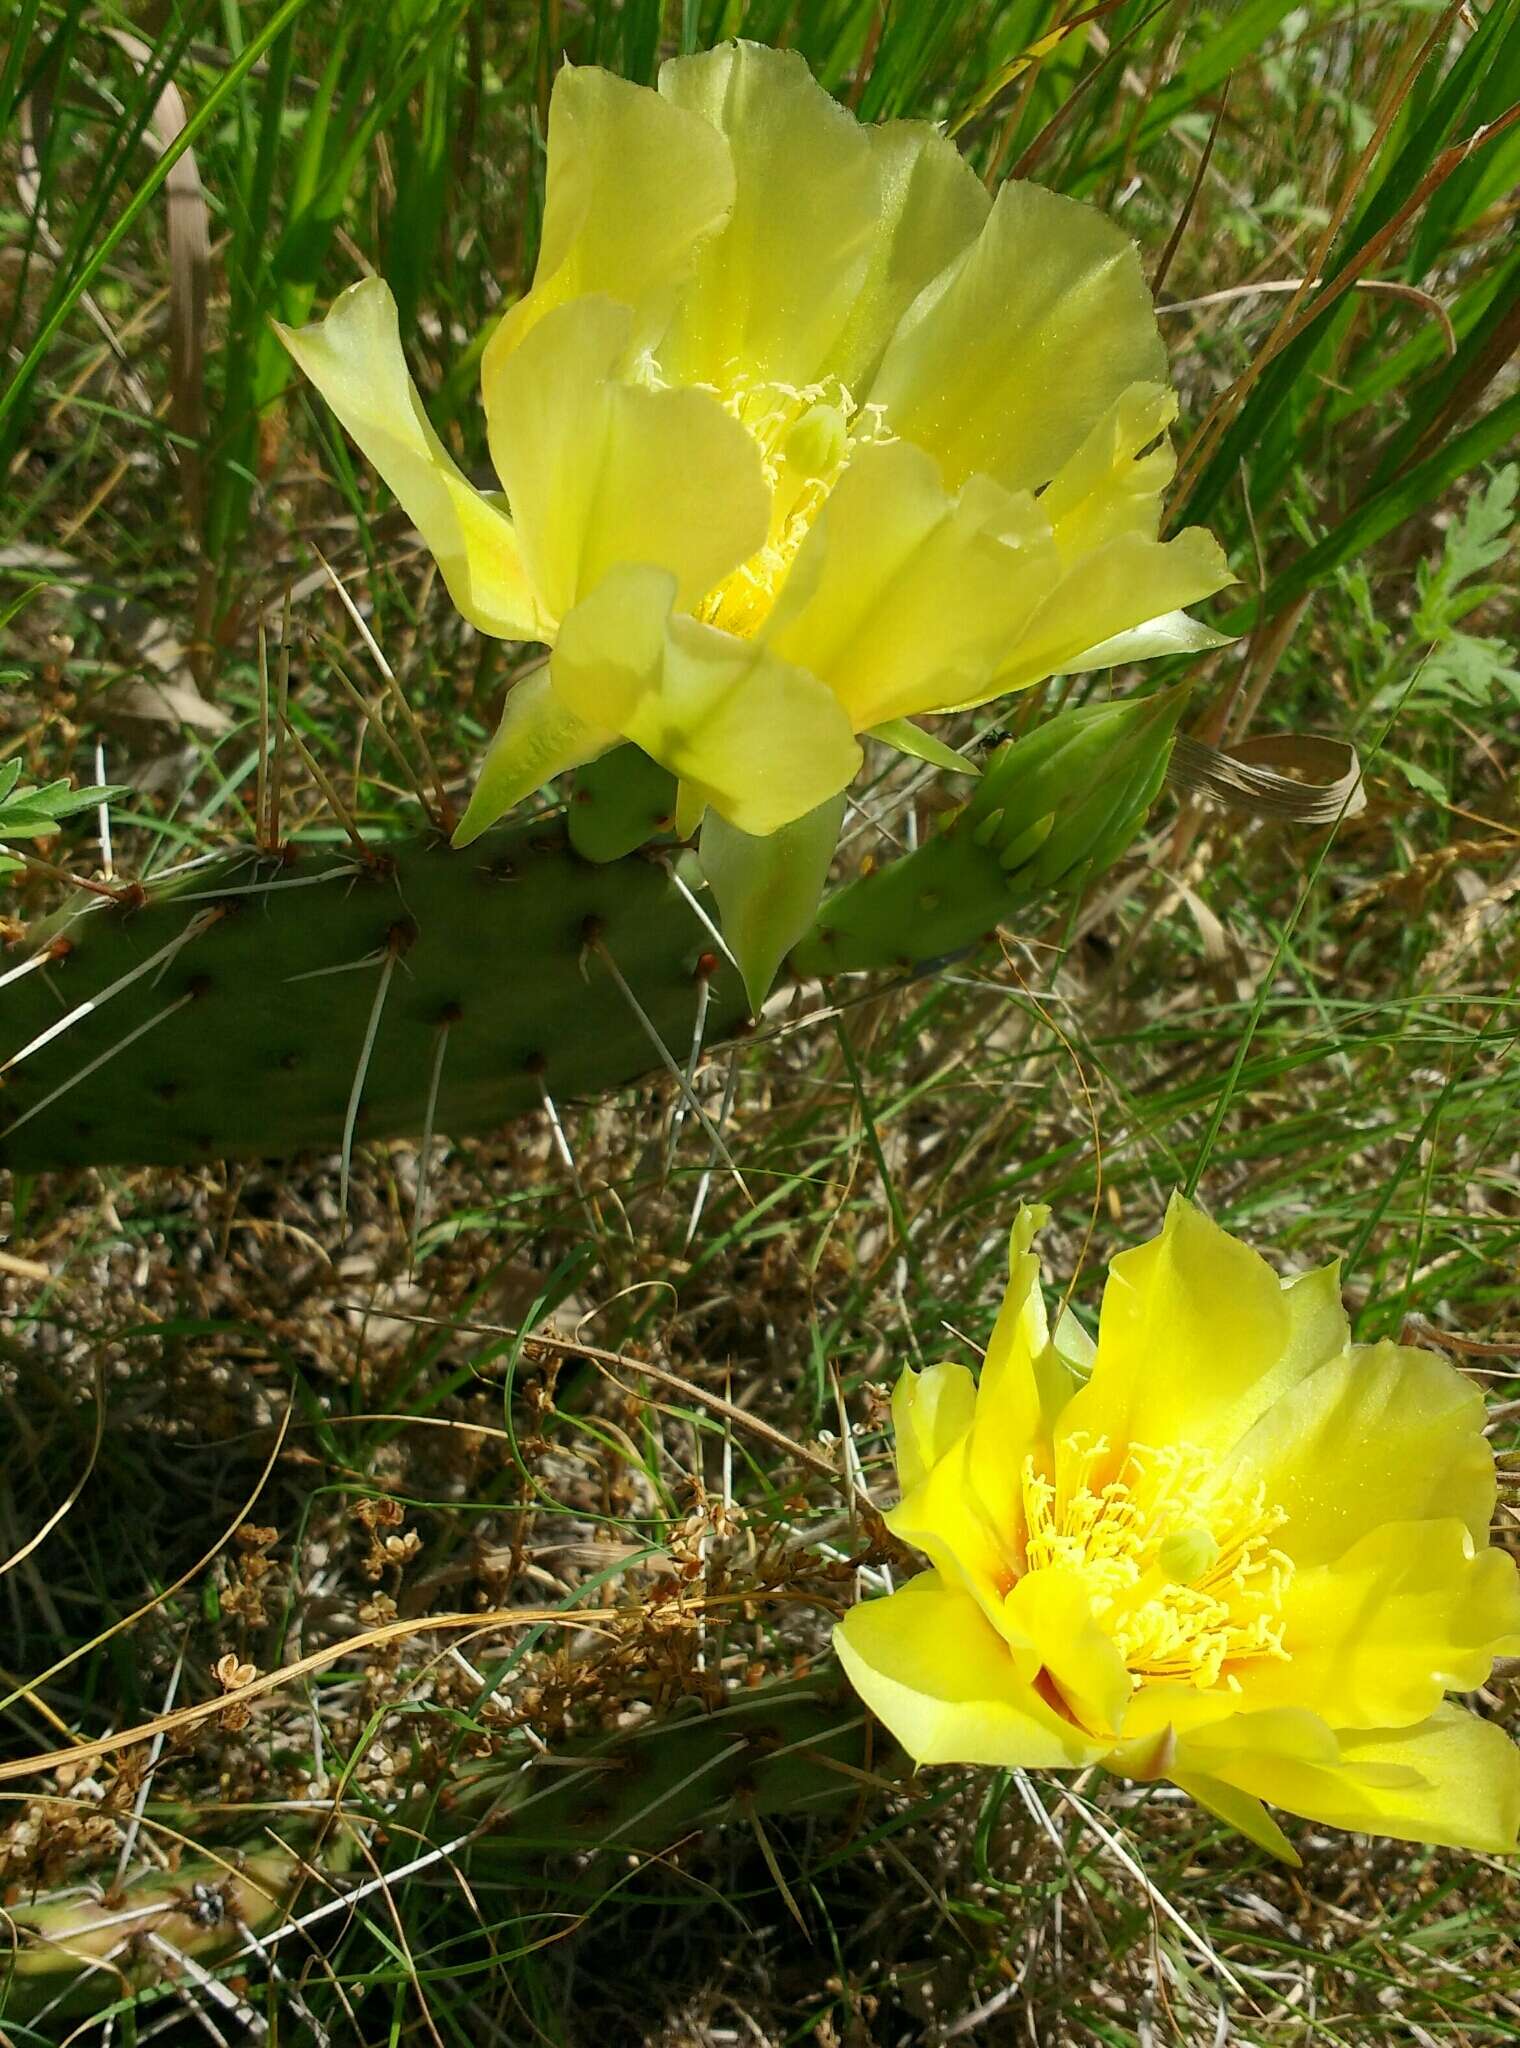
{"x":1240,"y":1811}
{"x":931,"y":207}
{"x":1024,"y":1385}
{"x":944,"y":1517}
{"x":931,"y":1411}
{"x":1107,"y":487}
{"x":1048,"y":1621}
{"x":1021,"y":1387}
{"x":1382,"y":1434}
{"x":600,"y":472}
{"x":905,"y":599}
{"x":772,"y":292}
{"x":1408,"y":1613}
{"x":928,"y":1663}
{"x":537,"y":738}
{"x":1168,"y":633}
{"x":1160,"y":1712}
{"x":1198,"y":1337}
{"x":761,"y":742}
{"x":354,"y":358}
{"x":1126,"y":583}
{"x":1007,"y":363}
{"x":1278,"y":1735}
{"x":635,"y":185}
{"x":1452,"y":1780}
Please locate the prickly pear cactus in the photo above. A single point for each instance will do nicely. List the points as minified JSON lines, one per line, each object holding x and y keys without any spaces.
{"x":793,"y":1748}
{"x":256,"y":1000}
{"x":258,"y":1004}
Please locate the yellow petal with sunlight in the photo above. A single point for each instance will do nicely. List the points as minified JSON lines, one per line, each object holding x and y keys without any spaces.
{"x":944,"y":1517}
{"x":1047,"y":1621}
{"x":1162,"y":1710}
{"x":931,"y":1412}
{"x":1108,"y":487}
{"x":1010,"y":1404}
{"x":1410,"y":1612}
{"x":600,"y":472}
{"x":931,"y":207}
{"x":539,"y":736}
{"x":1198,"y":1337}
{"x":760,"y":741}
{"x":928,"y":1663}
{"x":635,"y":185}
{"x":1007,"y":363}
{"x":354,"y":358}
{"x":1383,"y":1433}
{"x":1123,"y":584}
{"x":1451,"y":1779}
{"x":771,"y":293}
{"x":1024,"y":1385}
{"x":904,"y":598}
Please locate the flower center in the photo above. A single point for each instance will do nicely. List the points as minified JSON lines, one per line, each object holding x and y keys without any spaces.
{"x":806,"y":437}
{"x":1181,"y":1574}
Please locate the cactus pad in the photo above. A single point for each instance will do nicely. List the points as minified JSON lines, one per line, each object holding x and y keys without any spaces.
{"x":249,"y":1034}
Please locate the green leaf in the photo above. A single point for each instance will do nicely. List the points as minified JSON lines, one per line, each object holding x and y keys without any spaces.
{"x":31,"y":813}
{"x":1480,"y":537}
{"x":909,"y":738}
{"x":769,"y":889}
{"x":1418,"y":778}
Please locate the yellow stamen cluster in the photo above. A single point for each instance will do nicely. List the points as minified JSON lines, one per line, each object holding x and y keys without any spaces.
{"x":806,"y":436}
{"x":1182,"y":1576}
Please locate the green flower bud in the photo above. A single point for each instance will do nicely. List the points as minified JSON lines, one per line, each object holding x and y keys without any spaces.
{"x":1052,"y":810}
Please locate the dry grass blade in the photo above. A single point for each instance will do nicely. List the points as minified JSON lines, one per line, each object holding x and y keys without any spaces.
{"x":1174,"y":239}
{"x":1391,"y":287}
{"x":189,"y":278}
{"x":35,"y":1541}
{"x":1250,"y":776}
{"x":182,"y":1718}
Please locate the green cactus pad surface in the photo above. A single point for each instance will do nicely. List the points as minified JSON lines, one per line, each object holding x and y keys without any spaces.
{"x":246,"y":1038}
{"x":621,"y":801}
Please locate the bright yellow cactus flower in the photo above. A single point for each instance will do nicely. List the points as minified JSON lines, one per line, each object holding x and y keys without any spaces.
{"x":1226,"y":1547}
{"x":800,"y":435}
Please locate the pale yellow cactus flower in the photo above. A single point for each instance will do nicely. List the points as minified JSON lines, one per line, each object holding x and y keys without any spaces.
{"x":1226,"y":1547}
{"x":799,"y":434}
